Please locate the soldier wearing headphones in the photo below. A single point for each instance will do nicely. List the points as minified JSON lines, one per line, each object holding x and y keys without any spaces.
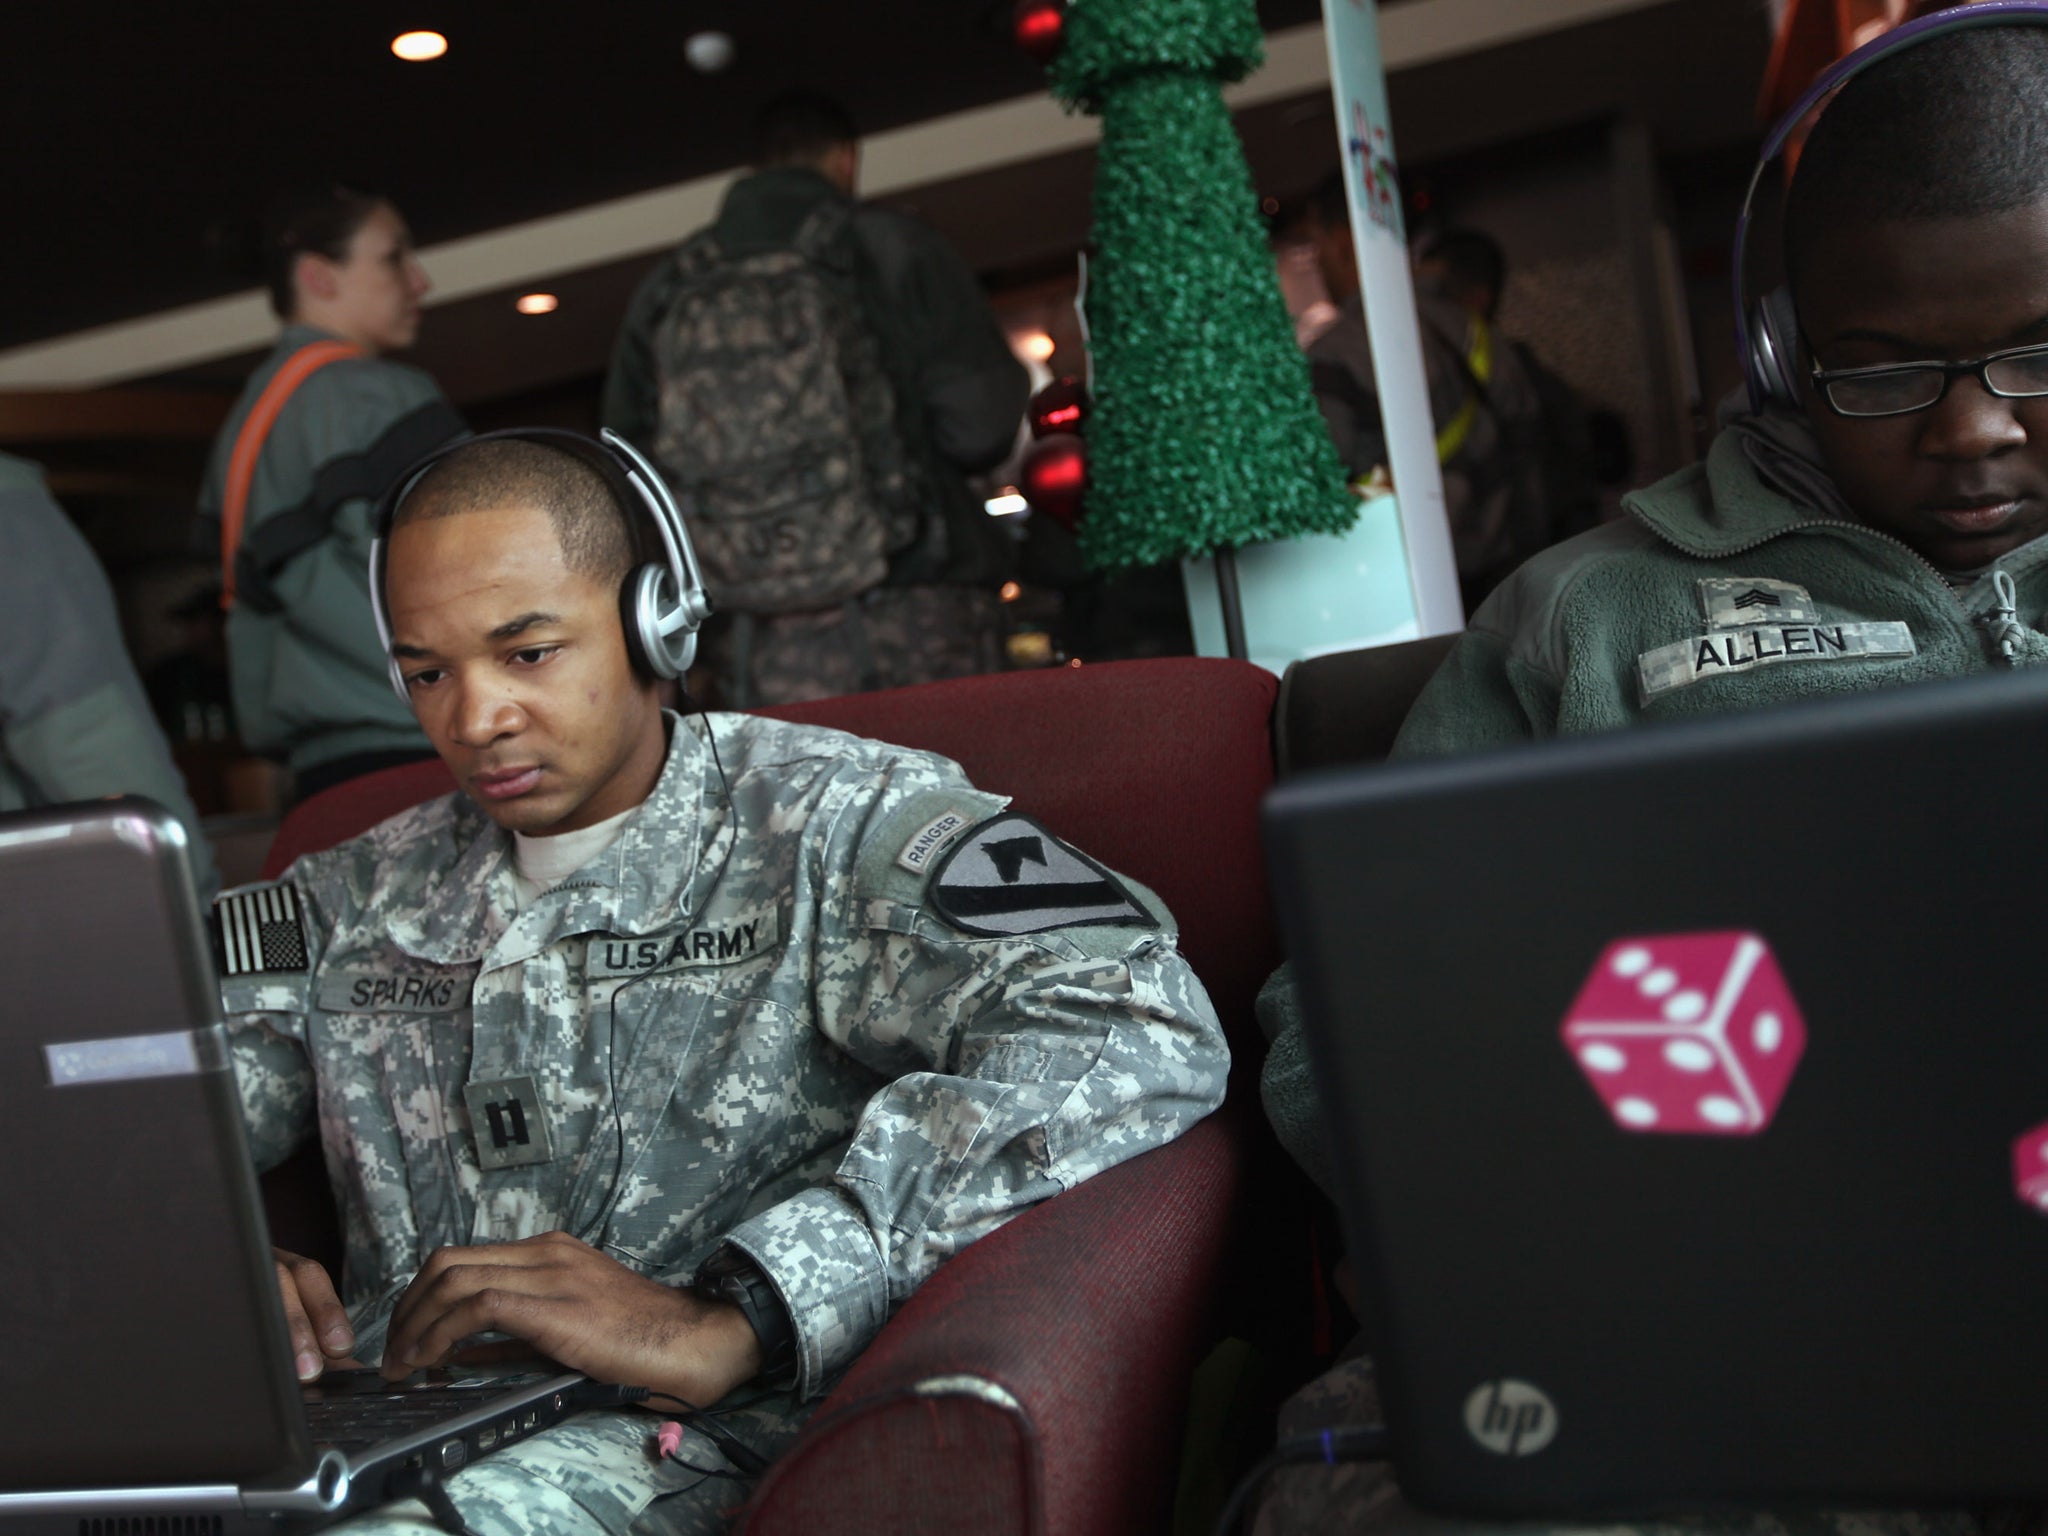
{"x":1874,"y":516}
{"x":678,"y":1050}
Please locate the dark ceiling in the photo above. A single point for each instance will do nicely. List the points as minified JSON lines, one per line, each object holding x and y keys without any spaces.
{"x":142,"y":137}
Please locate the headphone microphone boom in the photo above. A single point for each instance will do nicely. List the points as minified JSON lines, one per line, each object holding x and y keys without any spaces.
{"x":663,"y":602}
{"x":1767,"y":332}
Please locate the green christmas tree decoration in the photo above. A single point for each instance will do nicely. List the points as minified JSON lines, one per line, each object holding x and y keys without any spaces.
{"x":1205,"y":434}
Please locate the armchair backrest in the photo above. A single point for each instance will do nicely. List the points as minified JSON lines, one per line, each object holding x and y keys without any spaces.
{"x":1347,"y":707}
{"x":1154,"y":767}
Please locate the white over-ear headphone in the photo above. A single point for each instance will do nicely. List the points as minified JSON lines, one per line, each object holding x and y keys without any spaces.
{"x":1767,"y":332}
{"x":663,"y":603}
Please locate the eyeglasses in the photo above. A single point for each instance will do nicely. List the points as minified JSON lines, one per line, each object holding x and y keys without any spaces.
{"x":1896,"y":389}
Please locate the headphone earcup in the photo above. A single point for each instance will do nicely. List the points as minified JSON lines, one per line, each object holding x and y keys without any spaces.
{"x":661,"y":631}
{"x":1773,"y":359}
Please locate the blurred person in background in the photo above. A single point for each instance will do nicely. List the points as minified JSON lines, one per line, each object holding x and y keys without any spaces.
{"x":1489,"y":416}
{"x":1468,"y":267}
{"x":816,"y":376}
{"x":74,"y":722}
{"x":323,"y":426}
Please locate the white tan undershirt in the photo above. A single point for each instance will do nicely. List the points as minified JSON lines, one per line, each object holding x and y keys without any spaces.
{"x":539,"y":864}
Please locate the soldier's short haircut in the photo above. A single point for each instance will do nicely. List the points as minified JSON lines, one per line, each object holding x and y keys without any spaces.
{"x":319,"y":219}
{"x":595,"y":532}
{"x":801,"y":129}
{"x":1955,"y":127}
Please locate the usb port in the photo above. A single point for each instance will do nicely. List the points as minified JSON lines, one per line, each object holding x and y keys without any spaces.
{"x":511,"y":1428}
{"x":486,"y":1437}
{"x":532,"y":1419}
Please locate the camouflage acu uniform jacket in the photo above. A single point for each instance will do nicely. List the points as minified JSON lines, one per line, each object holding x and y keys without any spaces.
{"x":750,"y":1021}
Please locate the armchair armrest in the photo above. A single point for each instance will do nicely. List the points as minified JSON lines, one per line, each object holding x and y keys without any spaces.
{"x":1037,"y":1382}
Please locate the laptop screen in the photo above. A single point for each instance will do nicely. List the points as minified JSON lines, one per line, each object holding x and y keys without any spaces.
{"x":139,"y":1317}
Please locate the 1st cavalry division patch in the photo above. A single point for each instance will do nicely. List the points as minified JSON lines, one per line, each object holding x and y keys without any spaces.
{"x":257,"y":929}
{"x":1010,"y":876}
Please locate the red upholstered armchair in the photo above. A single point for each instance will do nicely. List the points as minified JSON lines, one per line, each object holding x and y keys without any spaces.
{"x":1038,"y":1382}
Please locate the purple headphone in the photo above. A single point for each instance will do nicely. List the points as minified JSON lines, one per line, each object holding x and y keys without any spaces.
{"x":1767,"y":333}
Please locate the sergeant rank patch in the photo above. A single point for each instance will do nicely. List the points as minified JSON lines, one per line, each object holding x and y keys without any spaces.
{"x":256,"y":929}
{"x":1010,"y":876}
{"x":1738,"y":602}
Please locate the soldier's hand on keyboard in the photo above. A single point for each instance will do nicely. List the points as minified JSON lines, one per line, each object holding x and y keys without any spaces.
{"x":321,"y":1335}
{"x":578,"y":1306}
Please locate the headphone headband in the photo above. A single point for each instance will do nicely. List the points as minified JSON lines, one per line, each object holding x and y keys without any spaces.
{"x":664,"y":601}
{"x":1765,"y":354}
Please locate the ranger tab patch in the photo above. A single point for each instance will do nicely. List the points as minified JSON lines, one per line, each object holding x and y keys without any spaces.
{"x":256,"y":929}
{"x":1010,"y":876}
{"x":929,"y":840}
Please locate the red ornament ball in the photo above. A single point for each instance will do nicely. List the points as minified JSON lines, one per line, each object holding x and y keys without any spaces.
{"x":1059,"y":407}
{"x":1040,"y":26}
{"x":1054,"y":478}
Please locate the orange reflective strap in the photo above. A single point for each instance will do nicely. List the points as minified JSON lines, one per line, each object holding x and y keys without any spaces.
{"x":234,"y":506}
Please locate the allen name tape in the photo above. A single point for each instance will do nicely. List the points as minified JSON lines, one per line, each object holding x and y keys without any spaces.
{"x":1685,"y":662}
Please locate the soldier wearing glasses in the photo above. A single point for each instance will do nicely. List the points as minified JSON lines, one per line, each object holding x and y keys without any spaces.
{"x":1876,"y":517}
{"x":1887,"y":528}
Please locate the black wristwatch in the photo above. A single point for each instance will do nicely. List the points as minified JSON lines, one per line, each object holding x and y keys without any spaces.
{"x":729,"y":1275}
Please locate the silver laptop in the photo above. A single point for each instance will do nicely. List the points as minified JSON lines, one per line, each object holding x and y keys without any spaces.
{"x":147,"y":1364}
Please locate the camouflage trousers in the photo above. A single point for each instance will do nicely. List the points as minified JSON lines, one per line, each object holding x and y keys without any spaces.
{"x":1363,"y":1496}
{"x":598,"y":1475}
{"x":890,"y":637}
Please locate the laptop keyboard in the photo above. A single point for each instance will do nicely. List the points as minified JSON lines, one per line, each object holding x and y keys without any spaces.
{"x":354,"y":1410}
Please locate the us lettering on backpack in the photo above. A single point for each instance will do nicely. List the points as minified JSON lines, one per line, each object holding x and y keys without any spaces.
{"x":777,"y":423}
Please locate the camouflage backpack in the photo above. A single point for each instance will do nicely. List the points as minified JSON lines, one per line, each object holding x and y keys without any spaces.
{"x":777,"y":424}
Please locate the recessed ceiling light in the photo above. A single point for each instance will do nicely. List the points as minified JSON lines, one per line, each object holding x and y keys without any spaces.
{"x":537,"y":304}
{"x":708,"y":52}
{"x":418,"y":47}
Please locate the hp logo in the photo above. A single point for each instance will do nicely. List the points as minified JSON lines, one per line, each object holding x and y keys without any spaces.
{"x":1511,"y":1418}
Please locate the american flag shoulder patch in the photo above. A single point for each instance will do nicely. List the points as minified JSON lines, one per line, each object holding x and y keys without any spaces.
{"x":1010,"y":876}
{"x":257,"y":929}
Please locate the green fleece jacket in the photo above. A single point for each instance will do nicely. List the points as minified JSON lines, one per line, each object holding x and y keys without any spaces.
{"x":311,"y":682}
{"x":1717,"y":592}
{"x":1732,"y":584}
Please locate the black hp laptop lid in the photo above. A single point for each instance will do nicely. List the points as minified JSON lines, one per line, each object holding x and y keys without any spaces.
{"x":1689,"y":1090}
{"x":146,"y":1362}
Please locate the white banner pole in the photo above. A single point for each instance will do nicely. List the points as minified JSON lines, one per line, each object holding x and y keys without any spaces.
{"x":1372,"y":184}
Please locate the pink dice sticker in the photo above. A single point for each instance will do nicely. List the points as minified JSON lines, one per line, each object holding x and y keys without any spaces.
{"x":1688,"y":1033}
{"x":2030,"y":1168}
